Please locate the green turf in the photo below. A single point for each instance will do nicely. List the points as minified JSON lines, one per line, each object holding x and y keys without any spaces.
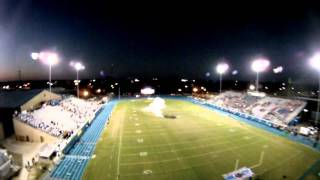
{"x":198,"y":144}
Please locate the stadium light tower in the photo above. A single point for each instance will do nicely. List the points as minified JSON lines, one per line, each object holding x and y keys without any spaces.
{"x":78,"y":67}
{"x":49,"y":58}
{"x":221,"y":68}
{"x":315,"y":63}
{"x":259,"y":65}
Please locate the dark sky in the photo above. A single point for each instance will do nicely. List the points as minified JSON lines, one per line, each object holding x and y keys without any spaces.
{"x":149,"y":40}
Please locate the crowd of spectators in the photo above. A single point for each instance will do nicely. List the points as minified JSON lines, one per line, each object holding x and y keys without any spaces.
{"x":235,"y":101}
{"x":276,"y":110}
{"x":62,"y":118}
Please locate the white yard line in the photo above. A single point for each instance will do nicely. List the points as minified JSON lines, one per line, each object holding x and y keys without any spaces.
{"x":195,"y":146}
{"x":119,"y":149}
{"x":237,"y":164}
{"x":190,"y":157}
{"x":171,"y":170}
{"x":277,"y":165}
{"x":260,"y":161}
{"x":210,"y":138}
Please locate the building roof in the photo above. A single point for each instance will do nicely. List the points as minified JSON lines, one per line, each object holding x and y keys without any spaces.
{"x":14,"y":99}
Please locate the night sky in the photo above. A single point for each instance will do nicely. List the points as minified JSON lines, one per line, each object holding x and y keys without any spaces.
{"x":158,"y":40}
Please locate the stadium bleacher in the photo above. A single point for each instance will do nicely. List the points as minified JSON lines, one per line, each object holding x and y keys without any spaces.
{"x":73,"y":163}
{"x":62,"y":118}
{"x":276,"y":110}
{"x":235,"y":100}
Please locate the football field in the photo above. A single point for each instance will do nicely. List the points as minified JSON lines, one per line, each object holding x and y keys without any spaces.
{"x":192,"y":143}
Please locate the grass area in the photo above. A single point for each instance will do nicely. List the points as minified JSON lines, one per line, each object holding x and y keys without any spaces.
{"x":198,"y":144}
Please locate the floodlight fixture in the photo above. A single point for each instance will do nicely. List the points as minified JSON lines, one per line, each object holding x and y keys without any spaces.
{"x":259,"y":65}
{"x":47,"y":57}
{"x":34,"y":55}
{"x":78,"y":66}
{"x":314,"y":62}
{"x":221,"y":68}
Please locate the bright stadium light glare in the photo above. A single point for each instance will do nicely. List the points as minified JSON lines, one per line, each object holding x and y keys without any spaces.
{"x":278,"y":70}
{"x":222,"y":68}
{"x":52,"y":59}
{"x":34,"y":56}
{"x":49,"y":58}
{"x":78,"y":66}
{"x":260,"y":65}
{"x":315,"y":61}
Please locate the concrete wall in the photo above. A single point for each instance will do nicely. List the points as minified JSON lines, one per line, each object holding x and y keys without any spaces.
{"x":36,"y":101}
{"x":25,"y":132}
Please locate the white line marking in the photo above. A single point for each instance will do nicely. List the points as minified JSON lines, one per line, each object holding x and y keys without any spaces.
{"x":210,"y":138}
{"x":192,"y":156}
{"x":236,"y":165}
{"x":195,"y":146}
{"x":143,"y":154}
{"x":260,"y":161}
{"x":119,"y":149}
{"x":138,"y":131}
{"x":140,"y":140}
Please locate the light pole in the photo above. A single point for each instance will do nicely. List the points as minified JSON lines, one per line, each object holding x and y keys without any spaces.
{"x":221,"y":68}
{"x":78,"y":67}
{"x":50,"y":84}
{"x":49,"y":58}
{"x":259,"y":65}
{"x":119,"y":92}
{"x":315,"y":63}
